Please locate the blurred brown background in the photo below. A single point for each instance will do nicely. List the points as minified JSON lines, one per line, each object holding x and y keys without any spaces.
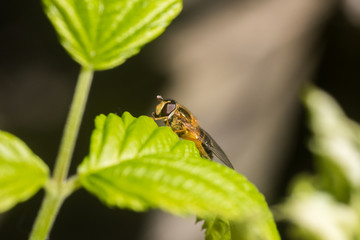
{"x":238,"y":65}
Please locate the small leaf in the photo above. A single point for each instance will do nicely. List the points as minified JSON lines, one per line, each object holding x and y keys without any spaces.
{"x":135,"y":164}
{"x":217,"y":229}
{"x":22,"y":173}
{"x":102,"y":34}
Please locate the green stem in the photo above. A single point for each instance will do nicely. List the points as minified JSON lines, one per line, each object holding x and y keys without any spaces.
{"x":46,"y":217}
{"x":73,"y":124}
{"x":55,"y":196}
{"x":59,"y":188}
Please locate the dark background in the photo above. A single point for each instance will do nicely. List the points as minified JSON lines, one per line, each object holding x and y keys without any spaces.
{"x":37,"y":79}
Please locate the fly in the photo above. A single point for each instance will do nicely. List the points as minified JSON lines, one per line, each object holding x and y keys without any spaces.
{"x":185,"y":125}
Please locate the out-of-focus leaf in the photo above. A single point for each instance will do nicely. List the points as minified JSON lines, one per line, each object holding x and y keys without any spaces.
{"x":355,"y":204}
{"x":102,"y":34}
{"x":22,"y":173}
{"x":317,"y":215}
{"x":332,"y":179}
{"x":336,"y":138}
{"x":135,"y":164}
{"x":325,"y":206}
{"x":217,"y":229}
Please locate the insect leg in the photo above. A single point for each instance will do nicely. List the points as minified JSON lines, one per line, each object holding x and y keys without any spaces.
{"x":158,"y":118}
{"x":179,"y":131}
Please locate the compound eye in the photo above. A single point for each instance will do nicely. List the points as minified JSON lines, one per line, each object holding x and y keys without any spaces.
{"x":168,"y":108}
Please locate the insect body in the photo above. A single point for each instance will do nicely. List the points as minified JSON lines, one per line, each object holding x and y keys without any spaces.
{"x":185,"y":125}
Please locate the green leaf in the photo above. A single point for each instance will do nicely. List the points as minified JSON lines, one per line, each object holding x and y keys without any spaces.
{"x":102,"y":34}
{"x":317,"y":215}
{"x":217,"y":229}
{"x":135,"y":164}
{"x":335,"y":142}
{"x":22,"y":173}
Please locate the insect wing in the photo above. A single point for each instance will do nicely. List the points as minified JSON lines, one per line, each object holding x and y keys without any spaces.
{"x":216,"y":149}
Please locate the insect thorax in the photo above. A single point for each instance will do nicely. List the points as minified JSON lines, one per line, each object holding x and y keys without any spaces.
{"x":176,"y":123}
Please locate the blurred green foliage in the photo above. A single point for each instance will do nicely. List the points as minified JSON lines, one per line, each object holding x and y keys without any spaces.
{"x":326,"y":205}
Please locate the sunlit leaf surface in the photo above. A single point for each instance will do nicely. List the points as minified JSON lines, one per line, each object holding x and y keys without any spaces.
{"x":135,"y":164}
{"x":22,"y":173}
{"x":103,"y":33}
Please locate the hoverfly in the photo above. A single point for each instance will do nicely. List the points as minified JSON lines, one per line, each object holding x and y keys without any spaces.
{"x":185,"y":125}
